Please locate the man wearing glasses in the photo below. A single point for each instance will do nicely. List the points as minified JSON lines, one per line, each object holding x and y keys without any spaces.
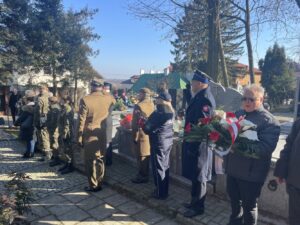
{"x":246,"y":175}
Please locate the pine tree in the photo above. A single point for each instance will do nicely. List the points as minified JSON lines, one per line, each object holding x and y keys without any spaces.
{"x":14,"y":46}
{"x":277,"y":78}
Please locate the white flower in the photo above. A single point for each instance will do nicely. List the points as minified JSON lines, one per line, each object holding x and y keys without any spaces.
{"x":250,"y":134}
{"x":246,"y":124}
{"x":220,"y":113}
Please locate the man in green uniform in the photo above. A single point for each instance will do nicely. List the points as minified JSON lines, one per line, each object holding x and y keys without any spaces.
{"x":93,"y":111}
{"x":39,"y":121}
{"x":141,"y":112}
{"x":66,"y":134}
{"x":53,"y":119}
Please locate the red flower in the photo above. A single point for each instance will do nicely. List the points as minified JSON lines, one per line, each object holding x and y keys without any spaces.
{"x":230,"y":115}
{"x":214,"y":136}
{"x":205,"y":120}
{"x":188,"y":128}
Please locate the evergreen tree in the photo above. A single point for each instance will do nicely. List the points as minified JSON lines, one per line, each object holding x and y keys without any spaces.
{"x":192,"y":37}
{"x":46,"y":35}
{"x":14,"y":46}
{"x":277,"y":77}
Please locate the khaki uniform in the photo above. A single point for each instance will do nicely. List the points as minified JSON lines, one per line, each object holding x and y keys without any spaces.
{"x":93,"y":111}
{"x":142,"y":146}
{"x":66,"y":132}
{"x":53,"y":119}
{"x":39,"y":120}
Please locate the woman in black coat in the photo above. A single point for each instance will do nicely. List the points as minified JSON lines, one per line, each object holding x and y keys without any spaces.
{"x":25,"y":121}
{"x":159,"y":127}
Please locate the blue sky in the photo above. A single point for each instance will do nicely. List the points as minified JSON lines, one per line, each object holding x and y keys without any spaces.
{"x":128,"y":44}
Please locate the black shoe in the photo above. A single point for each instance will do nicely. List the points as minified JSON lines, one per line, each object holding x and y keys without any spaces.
{"x":31,"y":154}
{"x":68,"y":169}
{"x":139,"y":180}
{"x":193,"y":212}
{"x":187,"y":205}
{"x":63,"y":167}
{"x":54,"y":162}
{"x":26,"y":155}
{"x":89,"y":189}
{"x":155,"y":196}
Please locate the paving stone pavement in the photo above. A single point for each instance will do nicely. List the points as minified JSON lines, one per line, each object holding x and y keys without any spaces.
{"x":61,"y":199}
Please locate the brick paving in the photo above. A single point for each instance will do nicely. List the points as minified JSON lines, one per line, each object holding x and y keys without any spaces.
{"x":61,"y":199}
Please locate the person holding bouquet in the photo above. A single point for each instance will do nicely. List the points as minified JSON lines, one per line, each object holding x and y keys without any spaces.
{"x":246,"y":174}
{"x":200,"y":106}
{"x":159,"y":127}
{"x":142,"y":110}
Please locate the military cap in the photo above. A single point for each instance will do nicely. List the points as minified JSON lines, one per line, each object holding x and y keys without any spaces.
{"x":145,"y":91}
{"x":53,"y":99}
{"x":201,"y":76}
{"x":97,"y":82}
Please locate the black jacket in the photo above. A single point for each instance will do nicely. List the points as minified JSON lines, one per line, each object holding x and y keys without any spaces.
{"x":252,"y":169}
{"x":25,"y":121}
{"x":201,"y":105}
{"x":288,"y":166}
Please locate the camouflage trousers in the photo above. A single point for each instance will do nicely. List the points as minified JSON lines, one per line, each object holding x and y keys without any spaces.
{"x":43,"y":139}
{"x":66,"y":151}
{"x":54,"y":145}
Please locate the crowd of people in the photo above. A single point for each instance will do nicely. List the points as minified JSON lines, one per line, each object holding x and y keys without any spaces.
{"x":49,"y":122}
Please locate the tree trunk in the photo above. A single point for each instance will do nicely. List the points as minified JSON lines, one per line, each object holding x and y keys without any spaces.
{"x":222,"y":57}
{"x":213,"y":46}
{"x":75,"y":90}
{"x":54,"y":81}
{"x":248,"y":42}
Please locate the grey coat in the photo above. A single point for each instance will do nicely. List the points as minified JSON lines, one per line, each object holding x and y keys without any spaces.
{"x":288,"y":166}
{"x":252,"y":169}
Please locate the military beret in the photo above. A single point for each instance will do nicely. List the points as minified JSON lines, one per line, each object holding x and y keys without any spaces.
{"x":97,"y":82}
{"x":200,"y":76}
{"x":145,"y":90}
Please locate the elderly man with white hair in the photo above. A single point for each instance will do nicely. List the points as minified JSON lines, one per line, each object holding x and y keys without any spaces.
{"x":247,"y":174}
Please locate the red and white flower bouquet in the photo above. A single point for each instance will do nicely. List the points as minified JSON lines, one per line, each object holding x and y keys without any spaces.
{"x":224,"y":132}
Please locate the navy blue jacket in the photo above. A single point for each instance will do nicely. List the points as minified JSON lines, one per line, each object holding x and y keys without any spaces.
{"x":202,"y":105}
{"x":159,"y":127}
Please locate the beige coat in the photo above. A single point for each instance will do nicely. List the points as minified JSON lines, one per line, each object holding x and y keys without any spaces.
{"x":142,"y":109}
{"x":93,"y":112}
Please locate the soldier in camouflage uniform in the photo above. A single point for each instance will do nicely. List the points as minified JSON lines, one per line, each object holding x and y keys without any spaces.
{"x":66,"y":134}
{"x":53,"y":119}
{"x":39,"y":121}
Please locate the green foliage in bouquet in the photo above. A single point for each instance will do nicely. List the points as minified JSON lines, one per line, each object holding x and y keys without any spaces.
{"x":119,"y":105}
{"x":246,"y":147}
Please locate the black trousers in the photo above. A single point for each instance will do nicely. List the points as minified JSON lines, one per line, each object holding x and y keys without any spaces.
{"x":294,"y":205}
{"x":109,"y":155}
{"x":243,"y":195}
{"x":13,"y":111}
{"x":198,"y":194}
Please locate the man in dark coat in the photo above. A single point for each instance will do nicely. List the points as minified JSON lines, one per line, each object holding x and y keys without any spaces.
{"x":13,"y":99}
{"x":287,"y":170}
{"x":201,"y":105}
{"x":246,"y":175}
